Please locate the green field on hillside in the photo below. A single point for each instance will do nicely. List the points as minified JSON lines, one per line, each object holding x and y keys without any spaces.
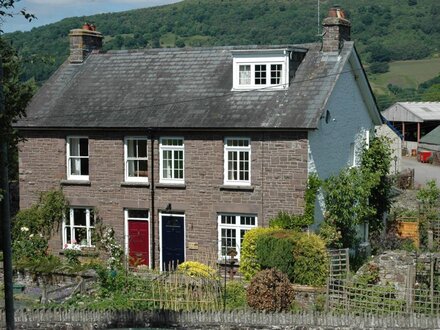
{"x":406,"y":74}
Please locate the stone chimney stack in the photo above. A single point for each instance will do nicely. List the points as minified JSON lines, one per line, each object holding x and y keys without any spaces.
{"x":83,"y":42}
{"x":336,"y":30}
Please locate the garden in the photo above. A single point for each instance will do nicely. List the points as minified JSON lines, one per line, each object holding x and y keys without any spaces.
{"x":283,"y":268}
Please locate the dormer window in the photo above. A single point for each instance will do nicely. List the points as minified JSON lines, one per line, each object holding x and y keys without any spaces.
{"x":264,"y":69}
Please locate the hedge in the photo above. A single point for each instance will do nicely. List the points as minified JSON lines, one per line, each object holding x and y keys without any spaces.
{"x":301,"y":256}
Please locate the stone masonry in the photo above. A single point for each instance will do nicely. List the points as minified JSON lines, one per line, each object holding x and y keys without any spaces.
{"x":278,"y":180}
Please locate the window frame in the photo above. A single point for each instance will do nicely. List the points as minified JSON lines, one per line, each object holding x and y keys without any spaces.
{"x":127,"y":178}
{"x":237,"y":149}
{"x":238,"y":227}
{"x":72,"y":226}
{"x":71,"y":176}
{"x":172,"y":148}
{"x":254,"y":59}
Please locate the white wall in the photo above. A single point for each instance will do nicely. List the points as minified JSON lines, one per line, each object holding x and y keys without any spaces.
{"x":396,"y":147}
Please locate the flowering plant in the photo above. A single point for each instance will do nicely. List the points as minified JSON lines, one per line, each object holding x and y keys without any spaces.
{"x":115,"y":251}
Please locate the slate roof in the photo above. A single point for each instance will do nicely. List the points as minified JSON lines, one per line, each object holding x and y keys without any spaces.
{"x":180,"y":88}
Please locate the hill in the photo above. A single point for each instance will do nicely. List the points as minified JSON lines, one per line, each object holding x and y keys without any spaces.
{"x":389,"y":31}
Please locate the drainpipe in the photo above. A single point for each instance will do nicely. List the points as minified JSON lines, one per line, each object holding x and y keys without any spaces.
{"x":152,"y":208}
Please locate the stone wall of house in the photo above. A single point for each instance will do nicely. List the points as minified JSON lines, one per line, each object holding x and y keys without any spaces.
{"x":278,"y":181}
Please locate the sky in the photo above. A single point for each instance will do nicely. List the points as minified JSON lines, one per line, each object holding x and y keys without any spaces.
{"x":50,"y":11}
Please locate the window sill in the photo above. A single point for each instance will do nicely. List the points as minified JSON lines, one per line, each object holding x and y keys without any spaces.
{"x":237,"y":188}
{"x":171,"y":185}
{"x":135,"y":184}
{"x":75,"y":182}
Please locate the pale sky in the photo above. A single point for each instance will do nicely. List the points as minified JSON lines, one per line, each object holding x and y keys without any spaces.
{"x":50,"y":11}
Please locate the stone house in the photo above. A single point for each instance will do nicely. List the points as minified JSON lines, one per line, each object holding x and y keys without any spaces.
{"x":182,"y":151}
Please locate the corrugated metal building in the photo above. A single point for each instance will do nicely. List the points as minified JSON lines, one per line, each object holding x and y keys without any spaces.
{"x":414,"y":119}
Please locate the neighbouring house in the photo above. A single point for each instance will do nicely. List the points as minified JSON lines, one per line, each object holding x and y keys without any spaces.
{"x":182,"y":151}
{"x":413,"y":120}
{"x":395,"y":139}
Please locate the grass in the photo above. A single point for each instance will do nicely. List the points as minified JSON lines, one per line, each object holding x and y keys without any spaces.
{"x":168,"y":40}
{"x":406,"y":74}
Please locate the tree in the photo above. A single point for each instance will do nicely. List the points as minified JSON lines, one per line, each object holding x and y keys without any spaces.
{"x":432,"y":94}
{"x":7,"y":115}
{"x":347,"y":205}
{"x":6,"y":10}
{"x":377,"y":159}
{"x":17,"y":95}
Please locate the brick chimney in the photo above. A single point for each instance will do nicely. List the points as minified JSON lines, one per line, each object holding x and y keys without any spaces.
{"x":336,"y":30}
{"x":84,"y":41}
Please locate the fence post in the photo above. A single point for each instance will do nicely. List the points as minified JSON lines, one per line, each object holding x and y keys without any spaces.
{"x":410,"y":288}
{"x":431,"y":284}
{"x":327,"y":297}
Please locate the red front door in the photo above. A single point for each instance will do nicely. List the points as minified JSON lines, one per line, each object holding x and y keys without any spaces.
{"x":138,"y":243}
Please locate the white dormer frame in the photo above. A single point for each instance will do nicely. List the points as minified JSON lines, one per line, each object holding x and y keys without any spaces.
{"x":254,"y":58}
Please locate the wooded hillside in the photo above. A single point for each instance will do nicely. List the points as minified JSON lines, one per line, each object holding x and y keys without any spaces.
{"x":384,"y":31}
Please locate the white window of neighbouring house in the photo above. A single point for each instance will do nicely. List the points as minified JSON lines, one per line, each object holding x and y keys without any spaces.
{"x":171,"y":160}
{"x":78,"y":227}
{"x":77,"y":158}
{"x":231,"y":230}
{"x":136,"y":159}
{"x":237,"y":156}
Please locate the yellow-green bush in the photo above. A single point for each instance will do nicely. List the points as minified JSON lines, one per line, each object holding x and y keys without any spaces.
{"x":311,"y":261}
{"x":197,"y":269}
{"x":301,"y":256}
{"x":248,"y":264}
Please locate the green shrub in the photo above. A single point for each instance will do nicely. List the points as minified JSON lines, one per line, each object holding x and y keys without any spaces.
{"x":301,"y":256}
{"x":311,"y":261}
{"x":235,"y":295}
{"x":33,"y":227}
{"x":270,"y":290}
{"x":274,"y":251}
{"x":285,"y":220}
{"x":330,"y":234}
{"x":248,"y":261}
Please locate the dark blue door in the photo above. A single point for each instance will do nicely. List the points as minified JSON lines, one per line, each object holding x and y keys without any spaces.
{"x":173,"y":241}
